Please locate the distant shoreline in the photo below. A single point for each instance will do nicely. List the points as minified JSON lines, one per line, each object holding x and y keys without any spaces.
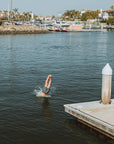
{"x":22,"y":29}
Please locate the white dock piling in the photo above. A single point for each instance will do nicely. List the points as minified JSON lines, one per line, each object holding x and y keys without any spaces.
{"x":106,"y":84}
{"x":99,"y":116}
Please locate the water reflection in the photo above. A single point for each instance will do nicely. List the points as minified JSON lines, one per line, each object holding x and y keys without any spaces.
{"x":46,"y":108}
{"x":13,"y":65}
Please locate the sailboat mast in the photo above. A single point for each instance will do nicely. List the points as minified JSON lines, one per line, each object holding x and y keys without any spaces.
{"x":11,"y":5}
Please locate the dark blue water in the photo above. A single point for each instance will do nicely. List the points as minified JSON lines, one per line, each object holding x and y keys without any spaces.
{"x":75,"y":61}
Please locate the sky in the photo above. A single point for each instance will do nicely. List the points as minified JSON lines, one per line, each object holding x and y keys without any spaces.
{"x":55,"y":7}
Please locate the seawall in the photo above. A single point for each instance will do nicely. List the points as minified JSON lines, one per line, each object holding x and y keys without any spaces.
{"x":22,"y":29}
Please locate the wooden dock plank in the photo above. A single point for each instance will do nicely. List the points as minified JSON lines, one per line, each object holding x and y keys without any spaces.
{"x":95,"y":114}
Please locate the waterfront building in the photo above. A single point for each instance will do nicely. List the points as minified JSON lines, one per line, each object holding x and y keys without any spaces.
{"x":77,"y":27}
{"x":3,"y":14}
{"x":107,"y":14}
{"x":45,"y":18}
{"x":48,"y":18}
{"x":91,"y":20}
{"x":82,"y":11}
{"x":100,"y":14}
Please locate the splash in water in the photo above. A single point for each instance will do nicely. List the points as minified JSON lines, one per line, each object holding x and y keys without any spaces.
{"x":38,"y":91}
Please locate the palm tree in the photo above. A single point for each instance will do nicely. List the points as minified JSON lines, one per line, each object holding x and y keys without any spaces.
{"x":27,"y":16}
{"x":112,"y":7}
{"x":15,"y":13}
{"x":77,"y":14}
{"x":6,"y":14}
{"x":15,"y":10}
{"x":71,"y":14}
{"x":66,"y":15}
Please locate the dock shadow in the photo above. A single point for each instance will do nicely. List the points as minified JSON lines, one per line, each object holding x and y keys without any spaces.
{"x":85,"y":132}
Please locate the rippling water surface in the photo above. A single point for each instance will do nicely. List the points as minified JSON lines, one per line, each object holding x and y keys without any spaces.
{"x":75,"y":61}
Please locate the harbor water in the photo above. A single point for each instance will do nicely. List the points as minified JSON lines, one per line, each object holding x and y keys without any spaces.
{"x":75,"y":61}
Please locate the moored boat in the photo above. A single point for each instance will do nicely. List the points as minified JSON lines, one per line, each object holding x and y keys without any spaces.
{"x":63,"y":30}
{"x":50,"y":28}
{"x":58,"y":30}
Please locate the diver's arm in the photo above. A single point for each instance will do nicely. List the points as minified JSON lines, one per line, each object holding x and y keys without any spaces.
{"x":49,"y":84}
{"x":46,"y":82}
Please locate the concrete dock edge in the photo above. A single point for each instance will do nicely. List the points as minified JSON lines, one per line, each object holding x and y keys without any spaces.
{"x":90,"y":114}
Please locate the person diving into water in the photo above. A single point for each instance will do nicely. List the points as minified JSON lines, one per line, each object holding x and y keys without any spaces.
{"x":47,"y":86}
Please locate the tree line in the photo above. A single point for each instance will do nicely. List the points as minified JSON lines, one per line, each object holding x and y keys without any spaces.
{"x":70,"y":15}
{"x":16,"y":16}
{"x":73,"y":14}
